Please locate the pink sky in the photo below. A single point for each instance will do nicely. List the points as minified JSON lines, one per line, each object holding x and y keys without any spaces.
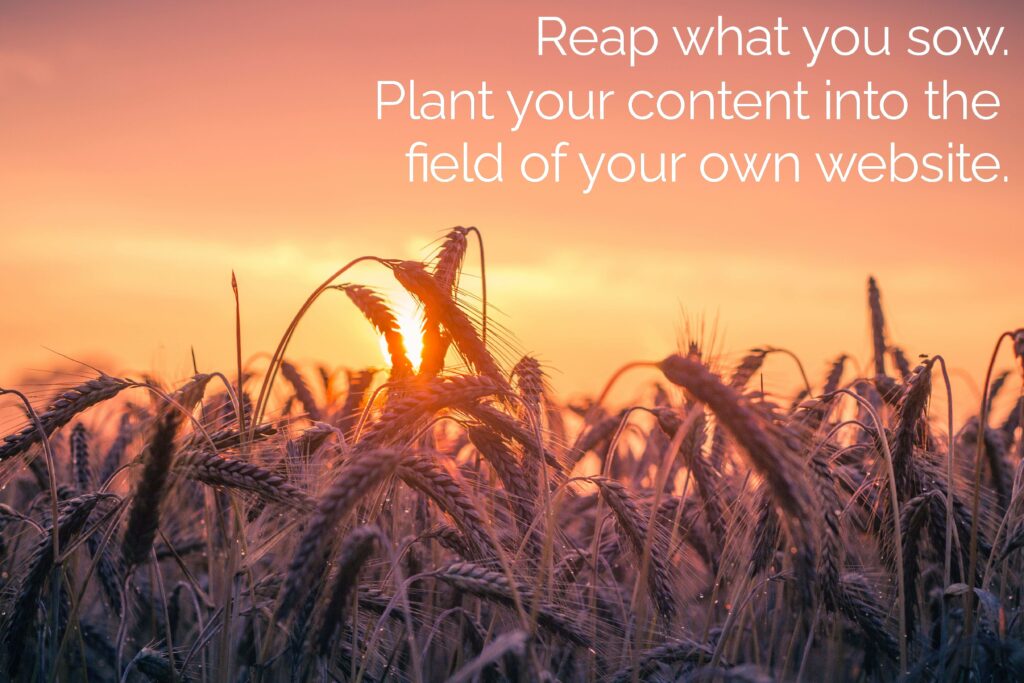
{"x":146,"y":150}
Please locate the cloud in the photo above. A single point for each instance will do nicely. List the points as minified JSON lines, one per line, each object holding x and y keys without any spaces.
{"x":20,"y":70}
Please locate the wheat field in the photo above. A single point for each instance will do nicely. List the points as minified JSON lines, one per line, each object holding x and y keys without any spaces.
{"x":447,"y":518}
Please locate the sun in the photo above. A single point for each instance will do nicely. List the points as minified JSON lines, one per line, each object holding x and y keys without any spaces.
{"x":409,"y":317}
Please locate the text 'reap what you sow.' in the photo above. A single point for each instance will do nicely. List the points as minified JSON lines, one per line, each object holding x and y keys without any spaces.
{"x":635,"y":43}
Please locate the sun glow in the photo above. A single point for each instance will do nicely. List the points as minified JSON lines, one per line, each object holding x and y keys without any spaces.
{"x":409,"y":317}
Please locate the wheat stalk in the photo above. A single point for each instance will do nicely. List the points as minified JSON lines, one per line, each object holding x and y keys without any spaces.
{"x":61,"y":411}
{"x":360,"y":474}
{"x":151,"y":490}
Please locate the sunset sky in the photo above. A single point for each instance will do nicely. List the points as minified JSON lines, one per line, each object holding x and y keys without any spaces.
{"x":149,"y":149}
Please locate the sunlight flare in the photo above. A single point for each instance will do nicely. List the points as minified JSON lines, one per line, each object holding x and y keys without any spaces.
{"x":409,"y":316}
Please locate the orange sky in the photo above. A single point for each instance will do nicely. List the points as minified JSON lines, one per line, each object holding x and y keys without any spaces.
{"x":147,"y":149}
